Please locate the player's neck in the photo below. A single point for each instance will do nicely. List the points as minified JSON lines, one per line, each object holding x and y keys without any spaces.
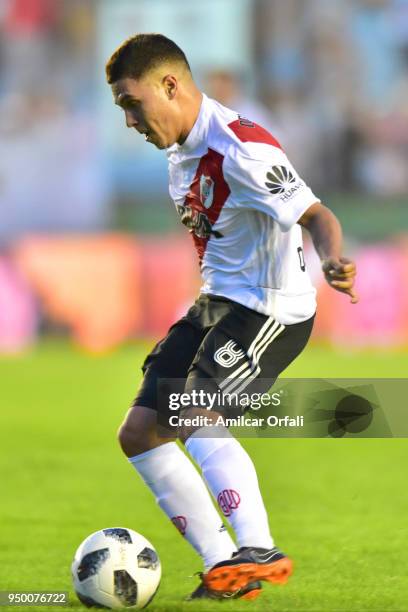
{"x":191,"y":111}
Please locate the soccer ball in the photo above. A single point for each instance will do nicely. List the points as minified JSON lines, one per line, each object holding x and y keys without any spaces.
{"x":116,"y":568}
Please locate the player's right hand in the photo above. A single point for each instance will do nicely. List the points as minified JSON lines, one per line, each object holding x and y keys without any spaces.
{"x":340,"y":274}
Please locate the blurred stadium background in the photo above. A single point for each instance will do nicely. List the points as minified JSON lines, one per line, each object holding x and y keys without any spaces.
{"x":90,"y":245}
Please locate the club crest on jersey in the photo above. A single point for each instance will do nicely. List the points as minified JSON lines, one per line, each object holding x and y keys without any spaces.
{"x":206,"y":190}
{"x":227,"y":356}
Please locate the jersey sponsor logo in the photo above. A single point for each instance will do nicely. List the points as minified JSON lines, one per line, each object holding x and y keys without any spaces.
{"x":197,"y":222}
{"x":206,"y":190}
{"x":227,"y":356}
{"x":180,"y":522}
{"x":280,"y":180}
{"x":228,"y":500}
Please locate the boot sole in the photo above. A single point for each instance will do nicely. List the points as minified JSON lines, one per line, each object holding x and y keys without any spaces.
{"x":233,"y":577}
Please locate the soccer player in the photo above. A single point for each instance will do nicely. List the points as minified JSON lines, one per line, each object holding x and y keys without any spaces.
{"x":244,"y":204}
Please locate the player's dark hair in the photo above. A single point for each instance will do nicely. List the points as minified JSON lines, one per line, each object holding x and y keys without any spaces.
{"x":140,"y":54}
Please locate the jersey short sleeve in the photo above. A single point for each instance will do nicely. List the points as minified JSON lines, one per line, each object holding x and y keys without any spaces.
{"x":261,"y":177}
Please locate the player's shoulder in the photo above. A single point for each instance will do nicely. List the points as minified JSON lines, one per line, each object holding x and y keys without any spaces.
{"x":238,"y":137}
{"x":248,"y":132}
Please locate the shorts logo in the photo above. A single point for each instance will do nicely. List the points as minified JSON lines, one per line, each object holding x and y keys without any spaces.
{"x":206,"y":190}
{"x":228,"y":500}
{"x":227,"y":356}
{"x":180,"y":522}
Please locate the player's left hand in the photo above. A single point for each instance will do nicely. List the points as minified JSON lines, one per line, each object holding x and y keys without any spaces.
{"x":340,"y":274}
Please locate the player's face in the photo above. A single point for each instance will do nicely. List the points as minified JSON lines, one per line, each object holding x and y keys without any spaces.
{"x":148,"y":109}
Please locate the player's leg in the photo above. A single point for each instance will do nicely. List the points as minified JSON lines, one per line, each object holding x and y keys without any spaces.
{"x":140,"y":431}
{"x":262,"y":347}
{"x":231,"y":476}
{"x":163,"y":466}
{"x":226,"y":466}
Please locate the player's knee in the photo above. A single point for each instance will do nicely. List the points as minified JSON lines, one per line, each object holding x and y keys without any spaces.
{"x":123,"y":438}
{"x":139,"y":432}
{"x":133,"y":441}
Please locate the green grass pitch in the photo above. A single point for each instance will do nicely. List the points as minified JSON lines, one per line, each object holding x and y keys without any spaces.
{"x":338,"y":507}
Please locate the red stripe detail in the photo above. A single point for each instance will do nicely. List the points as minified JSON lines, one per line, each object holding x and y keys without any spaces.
{"x":210,"y":165}
{"x":252,"y":132}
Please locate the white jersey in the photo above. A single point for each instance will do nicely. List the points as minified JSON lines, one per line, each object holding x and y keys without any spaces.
{"x":237,"y":192}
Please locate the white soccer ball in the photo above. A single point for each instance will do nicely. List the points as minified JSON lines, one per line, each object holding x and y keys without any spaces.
{"x":116,"y":568}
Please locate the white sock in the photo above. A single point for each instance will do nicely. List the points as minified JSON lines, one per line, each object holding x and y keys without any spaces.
{"x":183,"y":496}
{"x":231,"y":478}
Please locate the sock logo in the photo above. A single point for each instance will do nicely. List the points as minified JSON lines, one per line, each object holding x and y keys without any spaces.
{"x":228,"y":500}
{"x":227,"y":356}
{"x":180,"y":522}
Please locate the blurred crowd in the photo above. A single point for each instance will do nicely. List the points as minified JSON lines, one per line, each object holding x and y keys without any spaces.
{"x":335,"y":75}
{"x":50,"y":175}
{"x":329,"y":79}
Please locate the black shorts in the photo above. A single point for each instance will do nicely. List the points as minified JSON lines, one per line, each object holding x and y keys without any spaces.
{"x":222,"y":347}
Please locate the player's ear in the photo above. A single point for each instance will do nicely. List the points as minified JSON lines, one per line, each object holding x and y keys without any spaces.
{"x":170,"y":86}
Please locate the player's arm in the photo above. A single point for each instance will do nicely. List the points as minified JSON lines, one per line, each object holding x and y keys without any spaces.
{"x":325,"y":230}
